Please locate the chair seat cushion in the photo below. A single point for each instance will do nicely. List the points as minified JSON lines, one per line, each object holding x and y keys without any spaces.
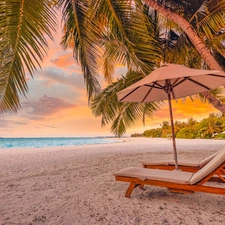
{"x":174,"y":176}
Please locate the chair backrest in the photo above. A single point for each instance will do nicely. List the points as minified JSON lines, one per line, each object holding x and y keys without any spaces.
{"x":209,"y":167}
{"x":206,"y":160}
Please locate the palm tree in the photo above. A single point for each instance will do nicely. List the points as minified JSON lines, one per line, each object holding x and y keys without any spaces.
{"x":181,"y":40}
{"x":191,"y":32}
{"x":112,"y":32}
{"x":212,"y":20}
{"x":115,"y":31}
{"x":24,"y":27}
{"x":209,"y":127}
{"x":191,"y":124}
{"x":126,"y":36}
{"x":111,"y":16}
{"x":178,"y":126}
{"x":166,"y":129}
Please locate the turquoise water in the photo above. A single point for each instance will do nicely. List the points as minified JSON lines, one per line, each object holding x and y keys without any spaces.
{"x":51,"y":142}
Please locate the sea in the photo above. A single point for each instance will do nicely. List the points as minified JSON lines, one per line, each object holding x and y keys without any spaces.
{"x":53,"y":142}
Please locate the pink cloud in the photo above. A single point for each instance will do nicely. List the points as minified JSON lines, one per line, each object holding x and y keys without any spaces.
{"x":52,"y":75}
{"x":47,"y":106}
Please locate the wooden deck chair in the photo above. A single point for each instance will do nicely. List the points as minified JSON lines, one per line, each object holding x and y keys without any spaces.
{"x":185,"y":165}
{"x":175,"y":181}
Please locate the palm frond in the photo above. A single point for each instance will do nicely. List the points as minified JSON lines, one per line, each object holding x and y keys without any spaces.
{"x":128,"y":36}
{"x":218,"y":93}
{"x":106,"y":104}
{"x":23,"y":30}
{"x":79,"y":31}
{"x":184,"y":53}
{"x":131,"y":112}
{"x":211,"y":18}
{"x":121,"y":115}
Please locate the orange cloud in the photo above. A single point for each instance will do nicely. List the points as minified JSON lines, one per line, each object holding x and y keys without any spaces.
{"x":64,"y":60}
{"x":182,"y":111}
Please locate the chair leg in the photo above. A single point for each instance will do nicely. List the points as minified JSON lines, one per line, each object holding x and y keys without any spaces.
{"x":222,"y":178}
{"x":130,"y":189}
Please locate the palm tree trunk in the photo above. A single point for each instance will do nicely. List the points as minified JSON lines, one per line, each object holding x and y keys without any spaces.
{"x":196,"y":41}
{"x":214,"y":101}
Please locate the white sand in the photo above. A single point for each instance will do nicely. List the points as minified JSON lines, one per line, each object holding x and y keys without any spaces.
{"x":75,"y":186}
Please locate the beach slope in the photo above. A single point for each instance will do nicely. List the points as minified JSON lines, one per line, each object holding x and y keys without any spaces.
{"x":76,"y":186}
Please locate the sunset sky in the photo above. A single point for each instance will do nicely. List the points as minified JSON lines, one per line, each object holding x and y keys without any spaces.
{"x":56,"y":105}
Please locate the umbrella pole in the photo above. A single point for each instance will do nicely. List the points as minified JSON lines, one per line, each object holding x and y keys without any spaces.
{"x":173,"y":134}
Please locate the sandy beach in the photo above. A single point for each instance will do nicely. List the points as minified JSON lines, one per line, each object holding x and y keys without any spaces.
{"x":76,"y":186}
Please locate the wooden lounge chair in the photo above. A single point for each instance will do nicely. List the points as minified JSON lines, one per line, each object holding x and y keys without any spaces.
{"x":185,"y":165}
{"x":176,"y":181}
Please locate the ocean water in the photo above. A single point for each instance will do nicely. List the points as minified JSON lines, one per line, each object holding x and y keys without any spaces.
{"x":52,"y":142}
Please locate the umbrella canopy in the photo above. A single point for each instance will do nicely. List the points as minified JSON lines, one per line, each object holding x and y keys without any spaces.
{"x":172,"y":81}
{"x":183,"y":82}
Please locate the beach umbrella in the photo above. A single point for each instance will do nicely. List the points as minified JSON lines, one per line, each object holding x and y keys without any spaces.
{"x":172,"y":81}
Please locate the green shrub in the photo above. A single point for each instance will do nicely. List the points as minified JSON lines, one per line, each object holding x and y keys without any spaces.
{"x":220,"y":136}
{"x":186,"y":133}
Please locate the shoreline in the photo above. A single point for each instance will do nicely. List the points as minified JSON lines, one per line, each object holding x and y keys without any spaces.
{"x":76,"y":186}
{"x":122,"y":140}
{"x":62,"y":145}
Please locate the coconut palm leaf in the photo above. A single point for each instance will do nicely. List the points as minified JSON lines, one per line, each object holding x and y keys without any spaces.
{"x":119,"y":29}
{"x":129,"y":113}
{"x":146,"y":51}
{"x":184,"y":53}
{"x":218,"y":93}
{"x":127,"y":38}
{"x":121,"y":115}
{"x":209,"y":18}
{"x":216,"y":44}
{"x":23,"y":30}
{"x":79,"y":33}
{"x":106,"y":104}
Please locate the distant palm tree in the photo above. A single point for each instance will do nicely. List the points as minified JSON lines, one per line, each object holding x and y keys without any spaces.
{"x":178,"y":126}
{"x":191,"y":123}
{"x":209,"y":127}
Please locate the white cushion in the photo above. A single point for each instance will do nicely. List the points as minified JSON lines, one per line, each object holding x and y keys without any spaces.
{"x":206,"y":160}
{"x":194,"y":163}
{"x":209,"y":167}
{"x":174,"y":176}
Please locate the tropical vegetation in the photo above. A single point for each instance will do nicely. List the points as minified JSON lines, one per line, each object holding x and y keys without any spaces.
{"x":176,"y":45}
{"x":211,"y":127}
{"x":104,"y":33}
